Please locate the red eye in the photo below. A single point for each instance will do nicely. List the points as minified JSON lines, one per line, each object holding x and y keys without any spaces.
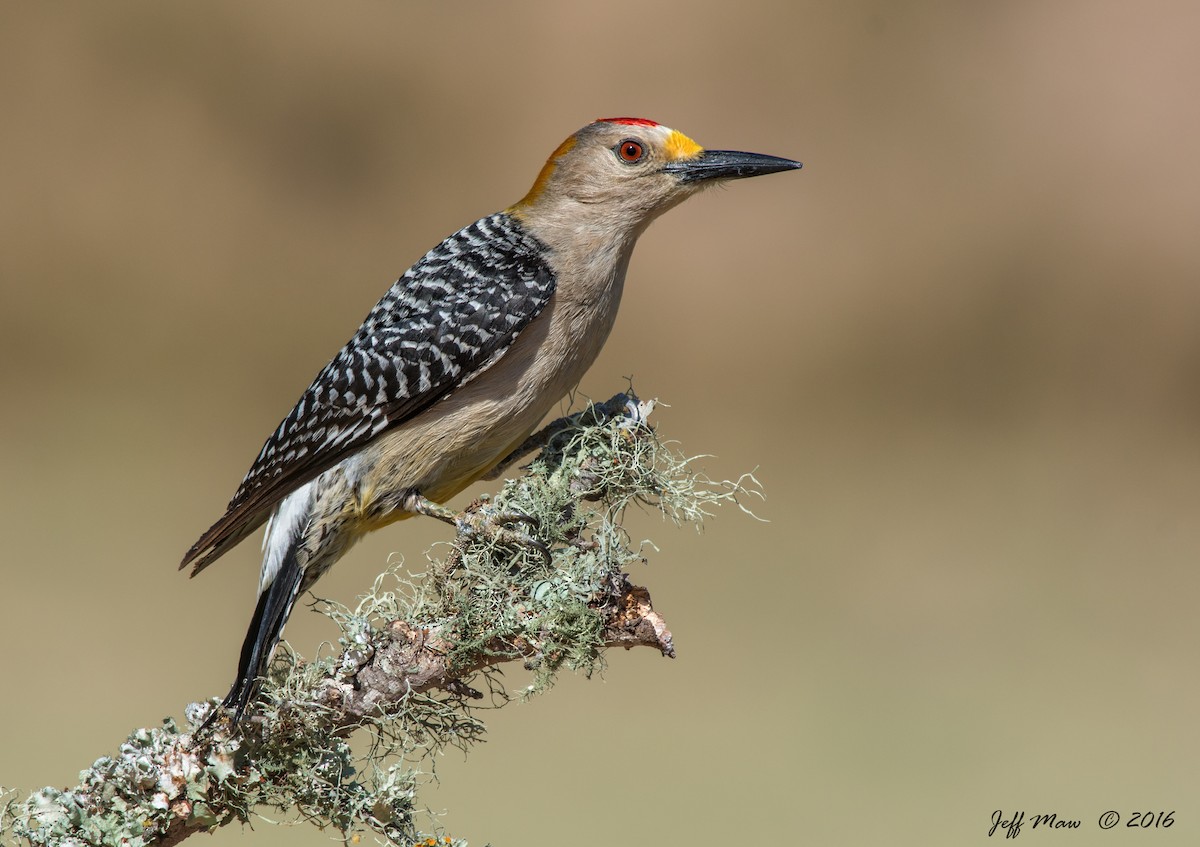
{"x":630,"y":150}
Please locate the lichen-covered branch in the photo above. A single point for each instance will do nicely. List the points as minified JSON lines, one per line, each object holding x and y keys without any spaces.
{"x":408,"y":660}
{"x":413,"y":657}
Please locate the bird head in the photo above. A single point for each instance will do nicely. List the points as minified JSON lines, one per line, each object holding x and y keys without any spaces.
{"x":618,"y":174}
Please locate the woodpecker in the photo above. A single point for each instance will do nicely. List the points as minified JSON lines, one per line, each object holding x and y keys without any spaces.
{"x":457,"y":364}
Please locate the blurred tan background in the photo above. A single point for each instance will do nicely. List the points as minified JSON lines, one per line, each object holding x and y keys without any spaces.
{"x":962,"y":347}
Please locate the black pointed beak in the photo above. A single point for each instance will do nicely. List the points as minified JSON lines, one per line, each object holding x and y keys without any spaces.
{"x":728,"y":164}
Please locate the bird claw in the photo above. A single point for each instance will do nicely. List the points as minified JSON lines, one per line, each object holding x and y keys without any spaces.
{"x":637,"y":413}
{"x":517,"y":517}
{"x":477,"y":524}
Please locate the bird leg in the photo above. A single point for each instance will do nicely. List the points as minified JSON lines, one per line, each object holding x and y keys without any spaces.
{"x":626,"y":404}
{"x":534,"y":442}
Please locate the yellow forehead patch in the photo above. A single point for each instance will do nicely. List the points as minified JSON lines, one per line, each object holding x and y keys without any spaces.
{"x":679,"y":146}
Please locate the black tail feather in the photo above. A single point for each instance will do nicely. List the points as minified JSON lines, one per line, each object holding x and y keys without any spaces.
{"x":266,"y":628}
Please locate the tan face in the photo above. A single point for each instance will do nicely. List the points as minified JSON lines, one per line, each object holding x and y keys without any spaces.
{"x":618,"y":163}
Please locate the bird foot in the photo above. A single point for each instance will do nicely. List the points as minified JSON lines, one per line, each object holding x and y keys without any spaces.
{"x":485,"y":523}
{"x":482,"y":521}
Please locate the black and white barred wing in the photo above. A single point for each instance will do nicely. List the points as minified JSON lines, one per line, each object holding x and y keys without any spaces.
{"x":451,"y":316}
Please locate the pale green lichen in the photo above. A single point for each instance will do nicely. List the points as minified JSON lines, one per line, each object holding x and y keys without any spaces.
{"x":485,"y":595}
